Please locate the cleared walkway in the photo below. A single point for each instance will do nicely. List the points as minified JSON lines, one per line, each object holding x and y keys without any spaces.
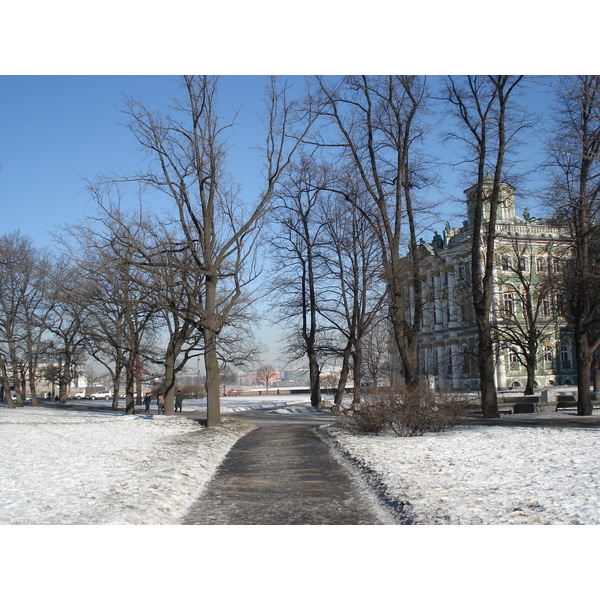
{"x":283,"y":473}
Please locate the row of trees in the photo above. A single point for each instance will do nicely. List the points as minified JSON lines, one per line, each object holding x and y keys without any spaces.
{"x":344,"y":178}
{"x":367,"y":140}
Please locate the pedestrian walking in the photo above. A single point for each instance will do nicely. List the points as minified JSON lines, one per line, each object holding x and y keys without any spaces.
{"x":160,"y":401}
{"x":147,"y":401}
{"x":178,"y":400}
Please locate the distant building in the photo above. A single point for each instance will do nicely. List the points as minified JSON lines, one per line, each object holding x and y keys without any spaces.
{"x":448,"y":338}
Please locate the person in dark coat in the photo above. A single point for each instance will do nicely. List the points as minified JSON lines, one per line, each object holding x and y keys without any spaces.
{"x":178,"y":400}
{"x":147,"y":401}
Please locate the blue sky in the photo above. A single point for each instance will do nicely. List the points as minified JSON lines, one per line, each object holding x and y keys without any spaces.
{"x":57,"y":130}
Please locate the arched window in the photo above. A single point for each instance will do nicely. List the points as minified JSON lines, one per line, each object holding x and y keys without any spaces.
{"x":513,"y":359}
{"x":465,"y":362}
{"x":565,"y":356}
{"x":434,"y":362}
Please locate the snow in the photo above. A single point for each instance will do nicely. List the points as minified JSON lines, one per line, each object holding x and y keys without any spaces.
{"x":96,"y":467}
{"x":482,"y":475}
{"x":62,"y":467}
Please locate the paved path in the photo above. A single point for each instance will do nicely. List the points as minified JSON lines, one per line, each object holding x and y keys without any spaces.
{"x":283,"y":473}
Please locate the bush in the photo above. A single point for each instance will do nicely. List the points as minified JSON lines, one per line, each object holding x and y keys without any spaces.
{"x":406,"y":413}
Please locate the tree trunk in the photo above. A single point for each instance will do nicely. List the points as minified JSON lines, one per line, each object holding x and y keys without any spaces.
{"x":489,"y":398}
{"x":357,"y":372}
{"x":211,"y":361}
{"x":596,"y":372}
{"x":315,"y":379}
{"x":530,"y":367}
{"x":211,"y":364}
{"x":170,"y":384}
{"x":115,"y":400}
{"x":5,"y":381}
{"x":341,"y":387}
{"x":33,"y":391}
{"x":584,"y":368}
{"x":129,"y":387}
{"x":62,"y":390}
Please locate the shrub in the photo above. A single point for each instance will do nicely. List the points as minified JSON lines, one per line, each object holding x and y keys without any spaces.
{"x":406,"y":413}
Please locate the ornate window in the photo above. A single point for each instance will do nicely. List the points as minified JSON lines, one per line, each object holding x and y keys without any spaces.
{"x":557,"y":264}
{"x":524,"y":264}
{"x":546,"y":307}
{"x":540,"y":264}
{"x":513,"y":359}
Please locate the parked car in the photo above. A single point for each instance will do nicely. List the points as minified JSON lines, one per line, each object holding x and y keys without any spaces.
{"x":105,"y":395}
{"x":233,"y":393}
{"x":123,"y":396}
{"x":14,"y":398}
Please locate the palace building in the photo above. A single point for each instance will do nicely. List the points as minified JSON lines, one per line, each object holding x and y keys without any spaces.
{"x":529,"y":255}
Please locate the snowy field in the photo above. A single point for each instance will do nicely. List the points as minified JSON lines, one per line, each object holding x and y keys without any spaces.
{"x":80,"y":467}
{"x":481,"y":475}
{"x":63,"y":467}
{"x":85,"y":468}
{"x":94,"y":467}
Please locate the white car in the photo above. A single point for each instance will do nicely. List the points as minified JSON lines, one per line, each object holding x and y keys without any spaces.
{"x":101,"y":395}
{"x":14,"y":398}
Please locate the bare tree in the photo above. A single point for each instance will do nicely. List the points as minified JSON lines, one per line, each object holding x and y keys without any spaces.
{"x":296,"y":256}
{"x":526,"y":314}
{"x":117,"y":299}
{"x":378,"y":341}
{"x":188,"y":150}
{"x":351,"y":282}
{"x":482,"y":106}
{"x":376,"y":118}
{"x":575,"y":164}
{"x":66,"y":324}
{"x":23,"y":308}
{"x":266,"y":375}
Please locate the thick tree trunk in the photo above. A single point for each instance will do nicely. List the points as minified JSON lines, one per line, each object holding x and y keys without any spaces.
{"x":489,"y":397}
{"x":213,"y":397}
{"x":596,"y":372}
{"x":33,"y":391}
{"x":341,"y":387}
{"x":129,"y":397}
{"x":129,"y":387}
{"x":170,"y":384}
{"x":357,"y":371}
{"x":211,"y":362}
{"x":584,"y":369}
{"x":315,"y":379}
{"x":5,"y":381}
{"x":530,"y":367}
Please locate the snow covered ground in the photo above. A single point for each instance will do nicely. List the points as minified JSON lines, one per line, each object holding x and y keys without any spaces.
{"x":62,"y":467}
{"x":93,"y":467}
{"x":481,"y":475}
